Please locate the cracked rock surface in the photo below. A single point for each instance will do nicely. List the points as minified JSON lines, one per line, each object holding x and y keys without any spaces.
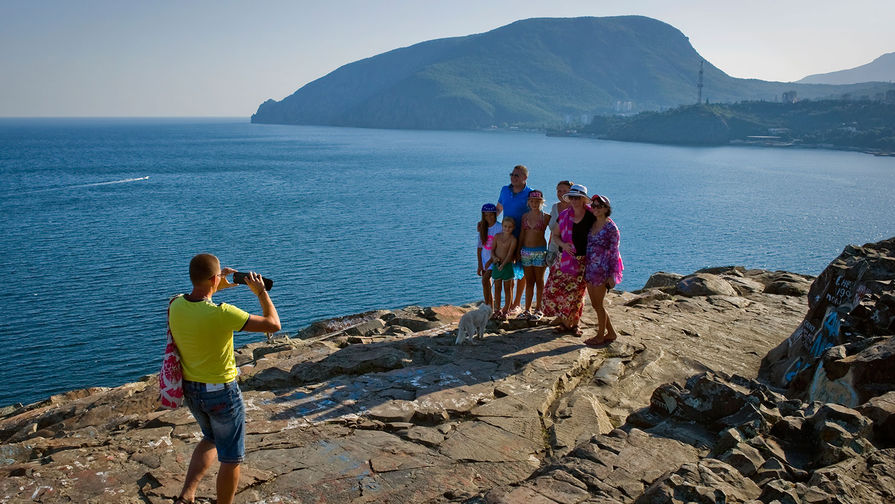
{"x":383,"y":407}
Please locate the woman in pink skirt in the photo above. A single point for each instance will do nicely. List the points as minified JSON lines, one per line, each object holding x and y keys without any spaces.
{"x":603,"y":266}
{"x":564,"y":292}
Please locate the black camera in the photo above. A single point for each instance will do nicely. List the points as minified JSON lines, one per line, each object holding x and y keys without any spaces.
{"x":240,"y":278}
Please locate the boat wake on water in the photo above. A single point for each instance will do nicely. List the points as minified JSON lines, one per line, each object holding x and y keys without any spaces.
{"x":78,"y":186}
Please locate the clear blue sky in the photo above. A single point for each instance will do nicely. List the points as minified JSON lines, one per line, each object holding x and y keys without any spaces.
{"x":223,"y":58}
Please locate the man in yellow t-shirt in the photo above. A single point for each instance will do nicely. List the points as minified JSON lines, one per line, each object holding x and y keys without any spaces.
{"x":203,"y":333}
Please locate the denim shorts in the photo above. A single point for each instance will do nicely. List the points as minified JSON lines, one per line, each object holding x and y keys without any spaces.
{"x":221,"y":416}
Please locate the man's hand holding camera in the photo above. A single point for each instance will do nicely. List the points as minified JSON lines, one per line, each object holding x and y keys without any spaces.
{"x":253,"y":280}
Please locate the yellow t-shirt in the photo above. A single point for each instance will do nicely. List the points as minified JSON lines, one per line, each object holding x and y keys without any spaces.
{"x":203,"y":333}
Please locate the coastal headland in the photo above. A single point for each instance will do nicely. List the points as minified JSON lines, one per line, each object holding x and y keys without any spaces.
{"x":725,"y":385}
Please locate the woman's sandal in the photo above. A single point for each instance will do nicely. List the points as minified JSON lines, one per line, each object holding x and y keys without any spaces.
{"x":576,"y":331}
{"x":181,"y":500}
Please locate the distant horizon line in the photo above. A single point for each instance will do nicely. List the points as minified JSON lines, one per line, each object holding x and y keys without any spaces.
{"x":248,"y":118}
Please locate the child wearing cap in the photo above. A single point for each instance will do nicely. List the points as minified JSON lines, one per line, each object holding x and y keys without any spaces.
{"x":488,"y":228}
{"x":534,"y":253}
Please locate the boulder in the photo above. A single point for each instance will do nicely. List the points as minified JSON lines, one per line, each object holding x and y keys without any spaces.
{"x":744,"y":286}
{"x":648,"y":296}
{"x":881,"y":410}
{"x":849,"y":304}
{"x":704,"y":284}
{"x":415,"y":324}
{"x":708,"y":481}
{"x":366,"y":328}
{"x":661,"y":280}
{"x":839,"y":433}
{"x":445,"y":314}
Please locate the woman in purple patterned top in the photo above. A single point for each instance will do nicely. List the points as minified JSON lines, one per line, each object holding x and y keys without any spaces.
{"x":603,"y":266}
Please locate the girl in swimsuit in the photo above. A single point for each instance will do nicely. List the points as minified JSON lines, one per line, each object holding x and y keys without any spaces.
{"x":534,"y":252}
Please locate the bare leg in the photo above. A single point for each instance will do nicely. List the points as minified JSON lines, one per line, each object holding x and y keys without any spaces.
{"x":228,"y":482}
{"x":486,"y":288}
{"x":529,"y":286}
{"x":508,"y":291}
{"x":203,"y":456}
{"x":498,"y":285}
{"x":520,"y":287}
{"x":597,"y":293}
{"x":610,"y":331}
{"x":539,"y":284}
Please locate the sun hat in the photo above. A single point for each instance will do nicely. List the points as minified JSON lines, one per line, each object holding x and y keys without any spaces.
{"x":577,"y":190}
{"x":489,"y":207}
{"x":596,"y":198}
{"x":536,"y":195}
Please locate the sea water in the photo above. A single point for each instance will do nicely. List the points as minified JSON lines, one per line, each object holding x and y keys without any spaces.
{"x":100,"y":218}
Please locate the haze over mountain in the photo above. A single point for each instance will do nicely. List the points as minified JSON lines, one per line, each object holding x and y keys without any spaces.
{"x":534,"y":72}
{"x":881,"y":69}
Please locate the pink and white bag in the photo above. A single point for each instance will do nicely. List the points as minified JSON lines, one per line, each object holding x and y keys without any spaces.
{"x":170,"y":378}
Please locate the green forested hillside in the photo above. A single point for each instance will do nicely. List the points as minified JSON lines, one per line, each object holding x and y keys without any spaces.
{"x":536,"y":72}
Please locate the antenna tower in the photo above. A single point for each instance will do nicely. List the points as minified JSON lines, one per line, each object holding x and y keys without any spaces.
{"x":699,"y":83}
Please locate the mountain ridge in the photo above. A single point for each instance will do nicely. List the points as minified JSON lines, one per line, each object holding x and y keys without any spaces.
{"x":881,"y":69}
{"x":533,"y":72}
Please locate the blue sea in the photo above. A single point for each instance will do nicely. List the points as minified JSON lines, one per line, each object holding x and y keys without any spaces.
{"x":100,"y":218}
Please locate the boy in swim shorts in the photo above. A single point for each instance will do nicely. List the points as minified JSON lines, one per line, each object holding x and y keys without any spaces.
{"x":502,"y":266}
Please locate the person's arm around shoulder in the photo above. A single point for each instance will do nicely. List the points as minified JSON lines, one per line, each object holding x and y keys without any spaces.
{"x":269,"y":320}
{"x":499,"y":201}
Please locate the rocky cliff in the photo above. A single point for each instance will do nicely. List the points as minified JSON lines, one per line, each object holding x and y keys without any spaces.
{"x":382,"y":407}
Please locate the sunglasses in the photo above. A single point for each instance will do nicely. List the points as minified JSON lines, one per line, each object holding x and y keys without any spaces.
{"x":515,"y":174}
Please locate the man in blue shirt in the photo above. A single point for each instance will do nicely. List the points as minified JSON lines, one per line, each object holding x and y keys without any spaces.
{"x":513,"y":202}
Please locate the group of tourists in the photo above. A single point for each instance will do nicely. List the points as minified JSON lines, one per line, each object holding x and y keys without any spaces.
{"x":581,"y":254}
{"x":513,"y":256}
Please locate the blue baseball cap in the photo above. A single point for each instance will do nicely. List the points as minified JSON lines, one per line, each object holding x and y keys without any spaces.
{"x":489,"y":207}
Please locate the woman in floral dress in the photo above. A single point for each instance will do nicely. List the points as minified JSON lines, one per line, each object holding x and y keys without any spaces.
{"x":603,"y":266}
{"x":564,"y":292}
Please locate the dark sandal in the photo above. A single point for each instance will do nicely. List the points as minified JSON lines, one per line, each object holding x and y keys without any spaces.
{"x":181,"y":500}
{"x":576,"y":331}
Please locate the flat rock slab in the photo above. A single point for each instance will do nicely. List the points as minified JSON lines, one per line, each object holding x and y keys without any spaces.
{"x":410,"y":417}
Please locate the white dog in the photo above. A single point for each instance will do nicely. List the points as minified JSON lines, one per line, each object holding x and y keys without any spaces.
{"x":473,"y":323}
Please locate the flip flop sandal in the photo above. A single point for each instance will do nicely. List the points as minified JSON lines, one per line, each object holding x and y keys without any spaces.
{"x":181,"y":500}
{"x":523,"y":316}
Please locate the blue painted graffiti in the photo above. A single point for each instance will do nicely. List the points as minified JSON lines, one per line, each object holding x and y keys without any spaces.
{"x":828,"y":335}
